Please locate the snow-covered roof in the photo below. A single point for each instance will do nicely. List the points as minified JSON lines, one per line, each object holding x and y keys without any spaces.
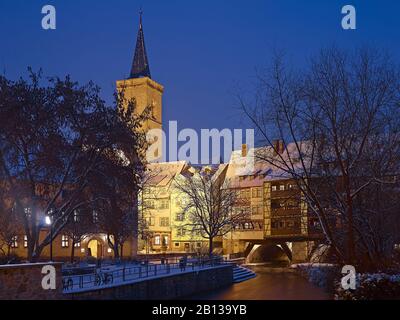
{"x":263,"y":164}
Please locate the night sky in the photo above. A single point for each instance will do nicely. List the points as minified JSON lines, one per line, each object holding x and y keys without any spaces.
{"x":201,"y":51}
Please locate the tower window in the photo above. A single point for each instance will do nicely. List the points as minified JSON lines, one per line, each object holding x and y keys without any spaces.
{"x":14,"y":242}
{"x":64,"y":241}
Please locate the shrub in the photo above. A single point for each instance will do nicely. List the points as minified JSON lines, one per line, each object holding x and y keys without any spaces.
{"x":12,"y":259}
{"x":323,"y":275}
{"x":378,"y":286}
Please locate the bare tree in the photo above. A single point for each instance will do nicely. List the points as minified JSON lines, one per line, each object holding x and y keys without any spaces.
{"x":338,"y":121}
{"x":210,"y":206}
{"x":80,"y":226}
{"x":52,"y":138}
{"x":10,"y":226}
{"x":115,"y":184}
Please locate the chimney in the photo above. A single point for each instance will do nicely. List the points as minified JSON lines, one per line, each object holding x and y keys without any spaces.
{"x":279,"y":147}
{"x":244,"y":150}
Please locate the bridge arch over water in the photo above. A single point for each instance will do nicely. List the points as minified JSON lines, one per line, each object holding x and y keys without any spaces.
{"x":274,"y":251}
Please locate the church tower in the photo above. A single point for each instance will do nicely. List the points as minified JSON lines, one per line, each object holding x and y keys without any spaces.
{"x":141,"y":87}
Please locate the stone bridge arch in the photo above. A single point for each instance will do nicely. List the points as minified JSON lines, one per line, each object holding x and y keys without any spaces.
{"x":269,"y":252}
{"x":276,"y":251}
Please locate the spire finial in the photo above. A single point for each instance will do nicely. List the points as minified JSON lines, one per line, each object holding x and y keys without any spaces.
{"x":140,"y":16}
{"x":140,"y":66}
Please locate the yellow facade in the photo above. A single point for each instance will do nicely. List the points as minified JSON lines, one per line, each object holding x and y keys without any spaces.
{"x":94,"y":245}
{"x":162,"y":212}
{"x":146,"y":93}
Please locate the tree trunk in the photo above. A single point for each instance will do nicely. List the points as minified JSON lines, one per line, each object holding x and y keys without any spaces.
{"x":73,"y":250}
{"x":30,"y":251}
{"x":351,"y":258}
{"x":116,"y":250}
{"x":210,"y":246}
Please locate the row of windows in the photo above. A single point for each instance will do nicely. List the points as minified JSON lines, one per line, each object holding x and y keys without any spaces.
{"x":186,"y":244}
{"x":289,"y":204}
{"x":257,"y":192}
{"x":251,"y":225}
{"x":158,"y":240}
{"x":254,"y":192}
{"x":157,"y":204}
{"x":256,"y":210}
{"x":64,"y":242}
{"x":251,"y":177}
{"x":282,"y":187}
{"x":76,"y":215}
{"x":163,"y":221}
{"x":285,"y":224}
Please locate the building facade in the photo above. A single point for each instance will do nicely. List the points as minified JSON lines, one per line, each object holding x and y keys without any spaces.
{"x":163,"y":220}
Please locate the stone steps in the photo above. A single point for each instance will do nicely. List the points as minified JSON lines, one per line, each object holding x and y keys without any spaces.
{"x":242,"y":274}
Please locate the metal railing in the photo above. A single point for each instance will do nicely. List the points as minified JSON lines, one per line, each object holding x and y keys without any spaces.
{"x":115,"y":275}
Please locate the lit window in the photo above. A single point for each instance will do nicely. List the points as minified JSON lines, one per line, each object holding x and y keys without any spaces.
{"x":150,"y":204}
{"x":157,"y":240}
{"x":181,"y":232}
{"x":28,"y":212}
{"x":274,"y":188}
{"x":163,"y":204}
{"x":25,"y":241}
{"x":150,"y":221}
{"x":166,"y":240}
{"x":76,"y":216}
{"x":95,"y":216}
{"x":14,"y":242}
{"x":64,"y":241}
{"x":109,"y":250}
{"x":282,"y":187}
{"x":290,"y":224}
{"x":77,"y":244}
{"x":164,"y":222}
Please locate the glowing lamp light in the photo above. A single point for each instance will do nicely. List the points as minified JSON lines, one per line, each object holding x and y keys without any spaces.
{"x":47,"y":220}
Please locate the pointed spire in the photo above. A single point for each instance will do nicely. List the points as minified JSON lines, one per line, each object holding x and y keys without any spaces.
{"x":140,"y":65}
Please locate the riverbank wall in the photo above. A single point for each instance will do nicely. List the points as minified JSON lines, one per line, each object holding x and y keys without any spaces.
{"x":167,"y":287}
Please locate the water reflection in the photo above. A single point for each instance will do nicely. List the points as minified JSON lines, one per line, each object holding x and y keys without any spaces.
{"x":271,"y":283}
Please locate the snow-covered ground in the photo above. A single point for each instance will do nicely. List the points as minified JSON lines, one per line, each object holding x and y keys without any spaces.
{"x":129,"y":273}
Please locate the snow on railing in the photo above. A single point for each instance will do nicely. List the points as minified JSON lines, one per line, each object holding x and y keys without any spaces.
{"x":115,"y":275}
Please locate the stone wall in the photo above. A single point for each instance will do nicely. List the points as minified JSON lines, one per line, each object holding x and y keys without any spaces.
{"x":165,"y":288}
{"x":24,"y":282}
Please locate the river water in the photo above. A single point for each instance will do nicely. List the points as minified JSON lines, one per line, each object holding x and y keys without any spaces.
{"x":271,"y":283}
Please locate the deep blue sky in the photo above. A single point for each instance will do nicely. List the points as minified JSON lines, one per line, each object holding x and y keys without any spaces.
{"x":199,"y":50}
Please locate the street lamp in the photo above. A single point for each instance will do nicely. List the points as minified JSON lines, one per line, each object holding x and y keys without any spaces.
{"x":48,"y":222}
